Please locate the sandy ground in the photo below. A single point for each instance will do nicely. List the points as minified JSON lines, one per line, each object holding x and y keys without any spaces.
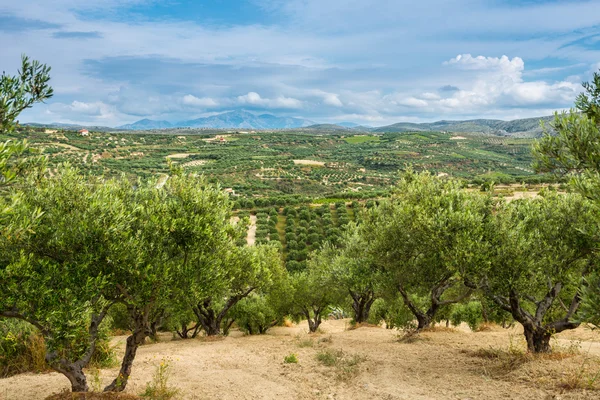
{"x":251,"y":238}
{"x":440,"y":365}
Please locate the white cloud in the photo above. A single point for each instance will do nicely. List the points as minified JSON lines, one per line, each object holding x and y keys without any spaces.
{"x":332,"y":100}
{"x":192,"y":100}
{"x":254,"y":99}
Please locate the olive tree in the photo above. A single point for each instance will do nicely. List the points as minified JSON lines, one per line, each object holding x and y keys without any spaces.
{"x":314,"y":290}
{"x":175,"y":229}
{"x":570,"y":147}
{"x":18,"y":93}
{"x":540,"y":250}
{"x":356,"y":274}
{"x":243,"y":270}
{"x":53,"y":268}
{"x":423,"y":238}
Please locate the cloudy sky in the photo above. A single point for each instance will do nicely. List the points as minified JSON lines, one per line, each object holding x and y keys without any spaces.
{"x":373,"y":62}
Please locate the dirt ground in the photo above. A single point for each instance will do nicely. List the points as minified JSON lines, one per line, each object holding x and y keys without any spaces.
{"x":442,"y":364}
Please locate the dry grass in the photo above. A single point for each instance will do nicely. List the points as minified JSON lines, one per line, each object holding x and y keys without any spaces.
{"x":32,"y":359}
{"x":346,"y":365}
{"x":446,"y":329}
{"x":66,"y":395}
{"x":353,"y":326}
{"x":487,"y":327}
{"x":565,"y":368}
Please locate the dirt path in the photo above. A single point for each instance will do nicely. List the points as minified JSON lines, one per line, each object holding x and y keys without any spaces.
{"x":251,"y":239}
{"x":438,"y":366}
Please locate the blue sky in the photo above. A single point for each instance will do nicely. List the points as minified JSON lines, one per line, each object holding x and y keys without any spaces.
{"x":371,"y":62}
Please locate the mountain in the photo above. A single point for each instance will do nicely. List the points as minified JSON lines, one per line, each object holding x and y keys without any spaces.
{"x":327,"y":127}
{"x":347,"y":124}
{"x":146,"y":124}
{"x":71,"y":127}
{"x":528,"y":127}
{"x":229,"y":120}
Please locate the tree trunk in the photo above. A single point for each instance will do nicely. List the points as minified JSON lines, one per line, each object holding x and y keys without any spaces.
{"x":75,"y":375}
{"x":423,"y":321}
{"x":184,"y":332}
{"x":361,"y":305}
{"x":313,"y":323}
{"x":210,"y":319}
{"x":133,"y":342}
{"x":538,"y":339}
{"x":141,"y":330}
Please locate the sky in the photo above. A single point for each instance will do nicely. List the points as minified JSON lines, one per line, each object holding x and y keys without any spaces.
{"x":370,"y":62}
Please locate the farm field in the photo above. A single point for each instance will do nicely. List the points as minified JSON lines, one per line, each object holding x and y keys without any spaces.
{"x":263,"y":164}
{"x":442,"y":364}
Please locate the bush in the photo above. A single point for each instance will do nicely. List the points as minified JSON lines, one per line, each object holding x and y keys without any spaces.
{"x":22,"y":348}
{"x":469,"y":313}
{"x":290,"y":359}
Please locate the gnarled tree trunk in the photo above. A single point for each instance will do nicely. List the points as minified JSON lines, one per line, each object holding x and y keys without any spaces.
{"x":537,"y":334}
{"x":315,"y":321}
{"x":73,"y":370}
{"x":538,"y":339}
{"x":141,"y":331}
{"x":210,"y":319}
{"x":361,"y":305}
{"x":426,"y":318}
{"x":185,"y":330}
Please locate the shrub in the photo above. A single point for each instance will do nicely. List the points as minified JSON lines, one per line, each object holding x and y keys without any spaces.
{"x":290,"y":359}
{"x":469,"y":313}
{"x":22,"y":348}
{"x":158,"y":388}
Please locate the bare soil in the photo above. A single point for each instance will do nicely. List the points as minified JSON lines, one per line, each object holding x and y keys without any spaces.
{"x":439,"y":364}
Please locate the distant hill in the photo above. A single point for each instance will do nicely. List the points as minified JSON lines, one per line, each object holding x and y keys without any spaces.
{"x":146,"y":124}
{"x":327,"y":127}
{"x":72,"y":127}
{"x":529,"y":127}
{"x":229,"y":120}
{"x":347,"y":124}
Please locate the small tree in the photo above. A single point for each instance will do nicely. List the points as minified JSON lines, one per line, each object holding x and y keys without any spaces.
{"x":540,"y":251}
{"x":424,"y":238}
{"x":355,"y":273}
{"x":176,"y":229}
{"x":314,"y":290}
{"x":242,"y":270}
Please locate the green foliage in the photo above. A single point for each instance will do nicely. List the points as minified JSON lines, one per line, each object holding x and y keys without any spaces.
{"x":290,"y":359}
{"x":22,"y":349}
{"x":159,"y":388}
{"x":424,"y":238}
{"x":18,"y":93}
{"x":254,"y":315}
{"x":468,"y":312}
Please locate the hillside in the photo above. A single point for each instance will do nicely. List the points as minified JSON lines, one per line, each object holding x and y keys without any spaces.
{"x":529,"y":127}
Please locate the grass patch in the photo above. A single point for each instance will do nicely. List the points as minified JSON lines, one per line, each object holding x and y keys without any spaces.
{"x":346,"y":365}
{"x":290,"y":359}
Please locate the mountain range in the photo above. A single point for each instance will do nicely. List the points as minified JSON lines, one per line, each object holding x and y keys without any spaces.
{"x":229,"y":120}
{"x":529,"y":127}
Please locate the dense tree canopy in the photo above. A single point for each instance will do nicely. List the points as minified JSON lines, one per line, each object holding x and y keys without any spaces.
{"x":423,"y":239}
